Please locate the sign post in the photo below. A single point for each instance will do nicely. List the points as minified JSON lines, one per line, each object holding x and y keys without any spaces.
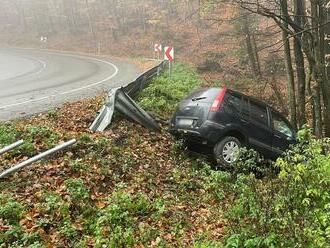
{"x":169,"y":55}
{"x":158,"y":50}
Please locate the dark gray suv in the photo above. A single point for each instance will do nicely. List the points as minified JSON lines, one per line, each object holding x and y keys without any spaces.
{"x":226,"y":120}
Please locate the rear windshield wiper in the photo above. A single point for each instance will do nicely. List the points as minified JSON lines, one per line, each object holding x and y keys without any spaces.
{"x":198,"y":98}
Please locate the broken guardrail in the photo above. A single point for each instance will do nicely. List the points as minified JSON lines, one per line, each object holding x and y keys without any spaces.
{"x":121,"y":99}
{"x":11,"y":147}
{"x":36,"y":158}
{"x":118,"y":99}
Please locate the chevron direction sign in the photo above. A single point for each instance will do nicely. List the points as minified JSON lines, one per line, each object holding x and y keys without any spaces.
{"x":158,"y":48}
{"x":169,"y":53}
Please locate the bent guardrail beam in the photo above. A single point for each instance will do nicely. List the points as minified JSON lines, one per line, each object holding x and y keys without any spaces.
{"x":128,"y":107}
{"x":11,"y":147}
{"x":36,"y":158}
{"x":105,"y":114}
{"x":121,"y":101}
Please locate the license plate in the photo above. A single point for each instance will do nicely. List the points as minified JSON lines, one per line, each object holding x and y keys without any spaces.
{"x":185,"y":122}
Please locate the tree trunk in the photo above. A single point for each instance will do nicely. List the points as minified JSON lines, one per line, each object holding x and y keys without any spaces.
{"x":316,"y":73}
{"x":289,"y":68}
{"x":318,"y":112}
{"x":300,"y":64}
{"x":249,"y":46}
{"x":325,"y":49}
{"x":256,"y":54}
{"x":327,"y":43}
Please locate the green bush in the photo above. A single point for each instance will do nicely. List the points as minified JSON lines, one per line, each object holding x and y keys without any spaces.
{"x":118,"y":224}
{"x":8,"y":134}
{"x":164,"y":93}
{"x":36,"y":136}
{"x":77,"y":190}
{"x":11,"y":212}
{"x":249,"y":161}
{"x":290,"y":211}
{"x":10,"y":209}
{"x":51,"y":203}
{"x":41,"y":133}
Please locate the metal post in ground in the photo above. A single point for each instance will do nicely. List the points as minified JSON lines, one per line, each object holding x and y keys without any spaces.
{"x":36,"y":158}
{"x":11,"y":147}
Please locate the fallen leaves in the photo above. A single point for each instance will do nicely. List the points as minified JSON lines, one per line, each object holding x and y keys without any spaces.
{"x":126,"y":156}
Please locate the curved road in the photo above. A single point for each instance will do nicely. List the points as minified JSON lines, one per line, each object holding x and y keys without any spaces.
{"x":32,"y":81}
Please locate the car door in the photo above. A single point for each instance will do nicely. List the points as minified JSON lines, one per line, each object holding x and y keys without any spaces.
{"x":245,"y":115}
{"x":260,"y":132}
{"x":283,"y":134}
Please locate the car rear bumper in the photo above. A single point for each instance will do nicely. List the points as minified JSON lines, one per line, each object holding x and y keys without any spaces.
{"x":190,"y":135}
{"x":207,"y":134}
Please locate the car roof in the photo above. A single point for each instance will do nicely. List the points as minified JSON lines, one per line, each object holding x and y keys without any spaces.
{"x":242,"y":94}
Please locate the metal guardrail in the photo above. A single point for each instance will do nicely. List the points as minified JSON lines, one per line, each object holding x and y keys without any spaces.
{"x":36,"y":158}
{"x":121,"y":99}
{"x":118,"y":99}
{"x":11,"y":147}
{"x":133,"y":88}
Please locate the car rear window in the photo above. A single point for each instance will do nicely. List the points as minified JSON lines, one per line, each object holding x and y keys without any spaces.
{"x":204,"y":94}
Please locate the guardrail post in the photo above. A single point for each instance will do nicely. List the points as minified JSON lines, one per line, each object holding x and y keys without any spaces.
{"x":36,"y":158}
{"x":11,"y":147}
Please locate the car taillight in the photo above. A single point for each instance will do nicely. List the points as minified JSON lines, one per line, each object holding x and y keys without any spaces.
{"x":218,"y":100}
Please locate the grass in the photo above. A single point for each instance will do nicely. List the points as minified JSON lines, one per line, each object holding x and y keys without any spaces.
{"x":163,"y":95}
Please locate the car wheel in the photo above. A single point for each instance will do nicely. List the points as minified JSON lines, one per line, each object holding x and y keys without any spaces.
{"x":226,"y":151}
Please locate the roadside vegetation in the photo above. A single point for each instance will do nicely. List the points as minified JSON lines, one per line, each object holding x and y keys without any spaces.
{"x":128,"y":187}
{"x":162,"y":96}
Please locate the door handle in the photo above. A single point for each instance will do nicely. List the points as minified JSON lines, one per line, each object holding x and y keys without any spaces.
{"x":244,"y":121}
{"x":277,"y":136}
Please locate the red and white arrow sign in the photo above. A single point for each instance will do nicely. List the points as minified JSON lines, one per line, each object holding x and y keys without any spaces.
{"x":158,"y":48}
{"x":169,"y":53}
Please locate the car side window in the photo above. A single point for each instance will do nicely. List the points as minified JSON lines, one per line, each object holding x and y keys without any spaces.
{"x":281,"y":126}
{"x":258,"y":113}
{"x":234,"y":102}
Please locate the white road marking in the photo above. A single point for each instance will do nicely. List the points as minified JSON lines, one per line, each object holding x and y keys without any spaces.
{"x":39,"y":61}
{"x":44,"y":65}
{"x":69,"y":91}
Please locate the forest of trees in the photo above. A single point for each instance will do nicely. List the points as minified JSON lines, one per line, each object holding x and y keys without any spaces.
{"x":274,"y":41}
{"x":305,"y":27}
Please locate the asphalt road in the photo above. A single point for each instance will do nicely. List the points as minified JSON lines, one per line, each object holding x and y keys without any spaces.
{"x":33,"y":81}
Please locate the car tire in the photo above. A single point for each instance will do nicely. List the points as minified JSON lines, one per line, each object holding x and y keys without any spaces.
{"x":224,"y":151}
